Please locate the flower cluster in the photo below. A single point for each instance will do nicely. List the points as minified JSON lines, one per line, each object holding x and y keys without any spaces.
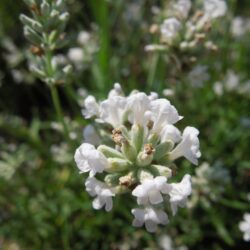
{"x":180,"y":29}
{"x":141,"y":144}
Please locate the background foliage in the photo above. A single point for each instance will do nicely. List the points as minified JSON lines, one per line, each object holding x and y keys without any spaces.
{"x":42,"y":201}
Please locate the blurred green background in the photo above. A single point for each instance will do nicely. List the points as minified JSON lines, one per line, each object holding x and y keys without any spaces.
{"x":43,"y":204}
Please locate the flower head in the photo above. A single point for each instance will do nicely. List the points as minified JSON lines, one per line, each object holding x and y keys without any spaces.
{"x":137,"y":158}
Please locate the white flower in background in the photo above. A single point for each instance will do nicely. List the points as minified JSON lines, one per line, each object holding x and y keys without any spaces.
{"x":238,"y":27}
{"x":198,"y":76}
{"x":90,"y":135}
{"x":215,"y":8}
{"x":248,"y":197}
{"x":179,"y":193}
{"x":244,"y":227}
{"x":138,"y":154}
{"x":188,"y":147}
{"x":168,"y":92}
{"x":102,"y":192}
{"x":170,"y":29}
{"x":76,"y":55}
{"x":218,"y":88}
{"x":150,"y":191}
{"x":88,"y":159}
{"x":154,"y":47}
{"x":83,"y":37}
{"x":183,"y":7}
{"x":91,"y":107}
{"x":166,"y":243}
{"x":149,"y":216}
{"x":232,"y":80}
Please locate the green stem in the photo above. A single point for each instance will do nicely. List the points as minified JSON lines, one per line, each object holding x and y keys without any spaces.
{"x":56,"y":103}
{"x":54,"y":93}
{"x":152,"y":71}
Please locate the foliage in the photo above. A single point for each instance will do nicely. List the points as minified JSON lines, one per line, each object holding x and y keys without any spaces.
{"x":42,"y":198}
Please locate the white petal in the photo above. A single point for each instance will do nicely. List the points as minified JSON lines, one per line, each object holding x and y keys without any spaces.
{"x":90,"y":135}
{"x":98,"y":203}
{"x":137,"y":223}
{"x":155,"y":197}
{"x":109,"y":204}
{"x":150,"y":226}
{"x":113,"y":110}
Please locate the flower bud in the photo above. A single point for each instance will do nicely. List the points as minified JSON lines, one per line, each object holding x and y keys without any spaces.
{"x":162,"y":149}
{"x":128,"y":150}
{"x":162,"y":170}
{"x":39,"y":73}
{"x":117,"y":165}
{"x":137,"y":134}
{"x":145,"y":175}
{"x":153,"y":139}
{"x":45,"y":8}
{"x":32,"y":35}
{"x":145,"y":158}
{"x":112,"y":179}
{"x":127,"y":180}
{"x":67,"y":69}
{"x":29,"y":2}
{"x":109,"y":152}
{"x":59,"y":3}
{"x":31,"y":23}
{"x":64,"y":17}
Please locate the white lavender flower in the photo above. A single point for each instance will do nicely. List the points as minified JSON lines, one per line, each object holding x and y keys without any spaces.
{"x":188,"y":147}
{"x":244,"y":226}
{"x":90,"y":135}
{"x":91,"y":107}
{"x":76,"y":55}
{"x":183,"y":7}
{"x":198,"y":76}
{"x":102,"y":192}
{"x":112,"y":110}
{"x":163,"y":113}
{"x":170,"y":29}
{"x":88,"y":159}
{"x":170,"y":132}
{"x":137,"y":105}
{"x":149,"y":216}
{"x":138,"y":154}
{"x":150,"y":191}
{"x":179,"y":193}
{"x":215,"y":8}
{"x":83,"y":37}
